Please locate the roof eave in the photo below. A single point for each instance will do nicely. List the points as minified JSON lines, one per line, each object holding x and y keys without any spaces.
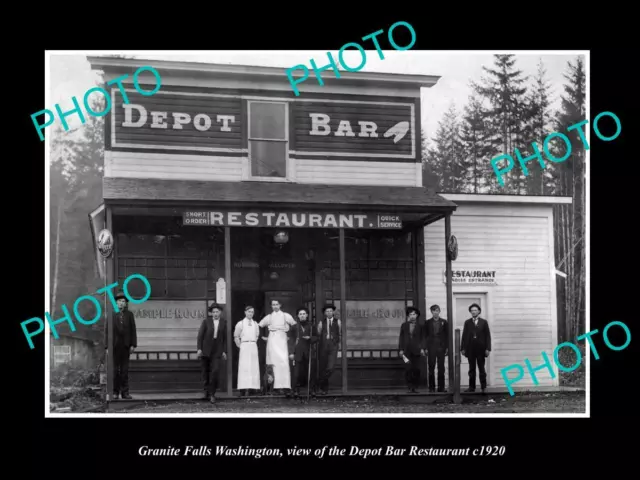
{"x":124,"y":65}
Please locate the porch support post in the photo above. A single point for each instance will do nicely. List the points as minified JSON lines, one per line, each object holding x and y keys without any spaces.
{"x":420,"y":292}
{"x":343,"y":309}
{"x":108,"y":307}
{"x":447,"y":235}
{"x":228,"y":314}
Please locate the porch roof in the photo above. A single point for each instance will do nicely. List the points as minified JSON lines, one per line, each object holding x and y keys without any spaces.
{"x":375,"y":198}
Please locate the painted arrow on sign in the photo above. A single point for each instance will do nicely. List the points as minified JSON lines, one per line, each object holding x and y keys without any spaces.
{"x":400,"y":130}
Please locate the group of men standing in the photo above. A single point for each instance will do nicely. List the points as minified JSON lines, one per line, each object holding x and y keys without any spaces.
{"x":431,"y":339}
{"x":286,"y":363}
{"x":282,"y":361}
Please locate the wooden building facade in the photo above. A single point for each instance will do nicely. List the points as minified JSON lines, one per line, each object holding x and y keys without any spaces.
{"x":224,"y":186}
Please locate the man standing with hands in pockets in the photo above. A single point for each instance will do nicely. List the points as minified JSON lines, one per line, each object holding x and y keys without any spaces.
{"x":212,"y":346}
{"x":411,"y":347}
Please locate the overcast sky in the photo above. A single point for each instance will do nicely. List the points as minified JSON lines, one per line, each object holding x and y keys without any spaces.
{"x":71,"y":74}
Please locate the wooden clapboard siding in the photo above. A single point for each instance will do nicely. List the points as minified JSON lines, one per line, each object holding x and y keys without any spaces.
{"x":172,"y":166}
{"x":366,"y":373}
{"x":214,"y":167}
{"x":515,"y":240}
{"x":345,"y":172}
{"x":166,"y":375}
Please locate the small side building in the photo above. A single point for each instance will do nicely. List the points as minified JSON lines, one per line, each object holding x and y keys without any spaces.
{"x":506,"y":264}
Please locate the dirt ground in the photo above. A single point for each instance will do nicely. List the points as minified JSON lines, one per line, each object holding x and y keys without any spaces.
{"x":520,"y":403}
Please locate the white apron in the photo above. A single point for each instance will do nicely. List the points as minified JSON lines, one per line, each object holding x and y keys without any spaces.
{"x":246,"y":336}
{"x":278,"y":348}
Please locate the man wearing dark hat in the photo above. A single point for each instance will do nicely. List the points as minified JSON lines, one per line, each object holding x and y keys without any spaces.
{"x":304,"y":334}
{"x":411,"y":346}
{"x":124,"y":342}
{"x":476,"y":345}
{"x":212,"y":347}
{"x":436,"y":345}
{"x":329,"y":332}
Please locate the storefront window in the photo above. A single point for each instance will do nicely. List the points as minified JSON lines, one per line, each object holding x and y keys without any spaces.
{"x":379,"y":265}
{"x":268,"y":139}
{"x":180,"y":263}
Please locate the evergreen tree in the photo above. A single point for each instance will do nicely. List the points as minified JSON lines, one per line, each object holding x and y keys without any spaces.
{"x":474,"y":135}
{"x":506,"y":115}
{"x":539,"y":181}
{"x":77,"y":159}
{"x":570,"y":181}
{"x":446,"y":156}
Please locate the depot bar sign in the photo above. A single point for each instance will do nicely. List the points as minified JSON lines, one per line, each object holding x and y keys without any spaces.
{"x":290,"y":219}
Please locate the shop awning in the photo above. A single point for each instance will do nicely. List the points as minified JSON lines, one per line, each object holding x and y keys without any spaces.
{"x":424,"y":204}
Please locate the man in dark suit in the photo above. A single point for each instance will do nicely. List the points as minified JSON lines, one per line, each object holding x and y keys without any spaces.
{"x":436,"y":345}
{"x":212,"y":346}
{"x":303,"y":335}
{"x":330,"y":336}
{"x":476,"y":345}
{"x":124,"y":343}
{"x":411,"y":346}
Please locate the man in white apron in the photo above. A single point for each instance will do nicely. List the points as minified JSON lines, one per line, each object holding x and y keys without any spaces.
{"x":278,"y":324}
{"x":246,"y":336}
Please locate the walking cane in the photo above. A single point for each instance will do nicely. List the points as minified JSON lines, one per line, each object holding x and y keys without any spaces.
{"x":309,"y":372}
{"x":317,"y":355}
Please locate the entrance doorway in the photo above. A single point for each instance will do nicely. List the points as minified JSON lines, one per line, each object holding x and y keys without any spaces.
{"x":461,"y":302}
{"x":272,"y":263}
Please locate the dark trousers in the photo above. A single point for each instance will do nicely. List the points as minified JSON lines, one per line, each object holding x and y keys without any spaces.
{"x":412,"y":370}
{"x":301,"y":372}
{"x":476,"y":356}
{"x":262,"y":361}
{"x":328,"y":357}
{"x":210,"y":368}
{"x":121,"y":371}
{"x":436,"y":355}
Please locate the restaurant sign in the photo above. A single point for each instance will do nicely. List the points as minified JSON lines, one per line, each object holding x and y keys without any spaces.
{"x":471,"y":277}
{"x":290,"y":219}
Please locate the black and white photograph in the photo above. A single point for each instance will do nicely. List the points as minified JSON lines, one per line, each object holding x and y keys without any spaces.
{"x":263,"y":235}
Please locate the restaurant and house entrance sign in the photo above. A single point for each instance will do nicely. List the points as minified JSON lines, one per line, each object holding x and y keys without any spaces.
{"x":471,"y":277}
{"x":292,"y":219}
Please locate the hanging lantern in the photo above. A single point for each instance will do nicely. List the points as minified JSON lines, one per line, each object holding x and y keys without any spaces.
{"x":281,"y":237}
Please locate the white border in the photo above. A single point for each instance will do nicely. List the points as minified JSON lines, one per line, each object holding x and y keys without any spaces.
{"x":47,"y":239}
{"x":587,"y":61}
{"x":49,"y":414}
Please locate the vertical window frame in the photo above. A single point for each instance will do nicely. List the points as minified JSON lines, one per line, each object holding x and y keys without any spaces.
{"x":288,"y":169}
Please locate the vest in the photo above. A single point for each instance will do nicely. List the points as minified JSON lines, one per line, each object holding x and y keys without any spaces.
{"x":335,"y":331}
